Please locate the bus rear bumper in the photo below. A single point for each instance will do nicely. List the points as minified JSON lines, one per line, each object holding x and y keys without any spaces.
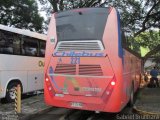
{"x":88,"y":104}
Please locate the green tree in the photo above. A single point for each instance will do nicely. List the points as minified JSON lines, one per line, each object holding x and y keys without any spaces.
{"x":150,"y":39}
{"x":60,"y":5}
{"x":21,"y":14}
{"x":137,"y":15}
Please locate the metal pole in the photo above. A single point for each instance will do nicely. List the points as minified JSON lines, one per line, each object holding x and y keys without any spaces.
{"x":18,"y":98}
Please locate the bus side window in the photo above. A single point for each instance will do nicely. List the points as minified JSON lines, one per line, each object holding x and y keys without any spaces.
{"x":42,"y":48}
{"x":6,"y":42}
{"x":22,"y":47}
{"x":30,"y":46}
{"x":16,"y":44}
{"x":2,"y":41}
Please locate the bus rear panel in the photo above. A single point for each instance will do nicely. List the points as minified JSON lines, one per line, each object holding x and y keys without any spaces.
{"x":84,"y":61}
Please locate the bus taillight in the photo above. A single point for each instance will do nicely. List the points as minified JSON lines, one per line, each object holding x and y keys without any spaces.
{"x":110,"y":86}
{"x":49,"y":88}
{"x":49,"y":85}
{"x":113,"y":83}
{"x":47,"y":79}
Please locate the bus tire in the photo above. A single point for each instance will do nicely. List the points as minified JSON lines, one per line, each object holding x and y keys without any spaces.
{"x":10,"y":93}
{"x":131,"y":101}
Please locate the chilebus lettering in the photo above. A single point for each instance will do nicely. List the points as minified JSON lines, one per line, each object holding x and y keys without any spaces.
{"x":79,"y":54}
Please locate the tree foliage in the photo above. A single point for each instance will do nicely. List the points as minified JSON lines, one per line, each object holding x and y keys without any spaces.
{"x":21,"y":14}
{"x":151,"y":39}
{"x":60,"y":5}
{"x":138,"y":15}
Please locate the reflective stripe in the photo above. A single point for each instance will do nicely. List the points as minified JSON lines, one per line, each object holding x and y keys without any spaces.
{"x":80,"y":76}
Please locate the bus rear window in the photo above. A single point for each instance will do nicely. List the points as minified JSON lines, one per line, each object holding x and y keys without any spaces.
{"x":82,"y":24}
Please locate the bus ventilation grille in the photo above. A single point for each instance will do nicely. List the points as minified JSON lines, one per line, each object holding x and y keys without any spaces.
{"x":65,"y":69}
{"x":93,"y":70}
{"x":79,"y":45}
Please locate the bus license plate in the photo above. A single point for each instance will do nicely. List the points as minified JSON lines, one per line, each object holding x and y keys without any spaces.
{"x":76,"y":104}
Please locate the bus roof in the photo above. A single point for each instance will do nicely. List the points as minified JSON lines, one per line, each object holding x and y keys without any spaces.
{"x":24,"y":32}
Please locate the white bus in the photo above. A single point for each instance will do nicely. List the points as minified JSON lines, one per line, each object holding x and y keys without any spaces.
{"x":21,"y":61}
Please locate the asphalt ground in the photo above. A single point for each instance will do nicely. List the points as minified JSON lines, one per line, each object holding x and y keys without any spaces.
{"x":148,"y":102}
{"x":147,"y":107}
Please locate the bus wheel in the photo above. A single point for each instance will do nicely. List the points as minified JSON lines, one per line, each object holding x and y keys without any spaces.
{"x":10,"y":94}
{"x":131,"y":102}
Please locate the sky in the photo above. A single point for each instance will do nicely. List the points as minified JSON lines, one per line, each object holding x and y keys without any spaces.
{"x":42,"y":13}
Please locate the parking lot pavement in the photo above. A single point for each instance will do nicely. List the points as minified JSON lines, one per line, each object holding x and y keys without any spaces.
{"x":30,"y":107}
{"x":148,"y":101}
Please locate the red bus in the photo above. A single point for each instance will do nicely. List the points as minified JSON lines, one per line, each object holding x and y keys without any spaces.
{"x":86,"y":66}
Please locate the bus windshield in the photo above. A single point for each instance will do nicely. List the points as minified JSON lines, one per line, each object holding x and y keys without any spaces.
{"x":81,"y":24}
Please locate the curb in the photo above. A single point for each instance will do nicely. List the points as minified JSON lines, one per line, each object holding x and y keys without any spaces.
{"x":142,"y":112}
{"x":30,"y":116}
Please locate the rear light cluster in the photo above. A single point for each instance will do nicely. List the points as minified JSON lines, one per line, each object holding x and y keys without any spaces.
{"x":109,"y":89}
{"x":49,"y":86}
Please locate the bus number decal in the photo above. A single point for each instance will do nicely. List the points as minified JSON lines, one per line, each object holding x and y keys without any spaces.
{"x":60,"y":60}
{"x":75,"y":60}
